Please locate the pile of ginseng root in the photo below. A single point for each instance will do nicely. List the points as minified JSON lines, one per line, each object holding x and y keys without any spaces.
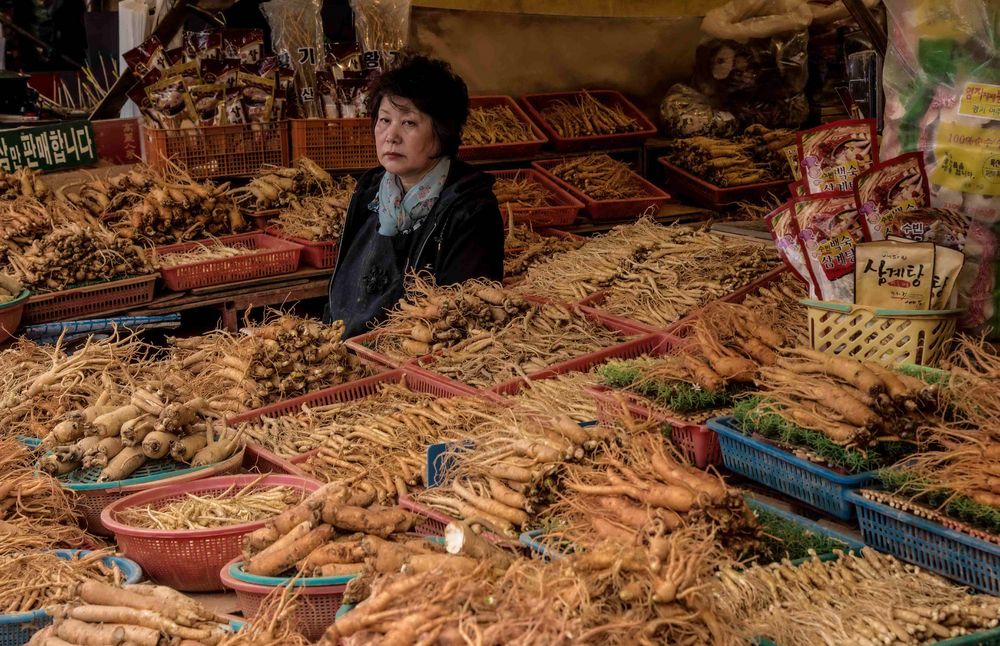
{"x":23,"y":183}
{"x":482,"y":334}
{"x":587,"y":116}
{"x":281,"y":358}
{"x":514,"y":193}
{"x":144,"y":615}
{"x":600,"y":176}
{"x":754,"y":157}
{"x":317,"y":218}
{"x":650,"y":273}
{"x":866,"y":598}
{"x":151,"y":208}
{"x":953,"y":479}
{"x":495,"y":124}
{"x":274,"y":187}
{"x":523,"y":247}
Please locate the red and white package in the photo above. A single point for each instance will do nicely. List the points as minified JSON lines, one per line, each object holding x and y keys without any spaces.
{"x":888,"y":189}
{"x":829,"y":230}
{"x":832,"y":155}
{"x":781,"y":223}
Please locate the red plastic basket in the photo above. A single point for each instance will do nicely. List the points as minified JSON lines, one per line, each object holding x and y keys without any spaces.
{"x":593,"y":304}
{"x":10,"y":315}
{"x":316,"y":606}
{"x":535,"y":103}
{"x":90,"y":503}
{"x":321,"y":255}
{"x":681,"y":182}
{"x":505,"y":150}
{"x":257,"y":459}
{"x":609,"y":209}
{"x":98,"y":298}
{"x":275,"y":256}
{"x":359,"y":346}
{"x":218,"y":151}
{"x":189,"y":560}
{"x":416,"y":379}
{"x":262,"y":219}
{"x":335,"y":144}
{"x":562,"y":212}
{"x":698,"y":443}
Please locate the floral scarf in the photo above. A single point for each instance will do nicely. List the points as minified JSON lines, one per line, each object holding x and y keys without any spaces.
{"x":398,"y":213}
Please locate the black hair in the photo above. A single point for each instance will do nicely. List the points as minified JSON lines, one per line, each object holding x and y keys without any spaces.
{"x":434,"y":89}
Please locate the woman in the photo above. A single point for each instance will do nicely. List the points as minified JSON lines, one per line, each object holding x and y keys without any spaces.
{"x":423,"y":209}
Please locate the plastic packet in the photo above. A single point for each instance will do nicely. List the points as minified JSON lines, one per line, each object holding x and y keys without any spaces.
{"x":147,"y":56}
{"x":209,"y":103}
{"x":382,"y":27}
{"x":352,"y":99}
{"x":894,"y":275}
{"x":244,"y":44}
{"x":188,"y":71}
{"x":941,"y":226}
{"x":344,"y":57}
{"x":685,"y":112}
{"x":781,"y":224}
{"x":829,"y":229}
{"x":327,"y":86}
{"x":233,"y":107}
{"x":890,"y":187}
{"x":170,"y":101}
{"x":229,"y":73}
{"x":174,"y":56}
{"x":257,"y":94}
{"x":137,"y":93}
{"x":297,"y":40}
{"x":211,"y":70}
{"x":832,"y":155}
{"x":948,"y":266}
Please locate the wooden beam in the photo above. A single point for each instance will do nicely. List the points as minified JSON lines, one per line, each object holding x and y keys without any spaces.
{"x":580,"y":8}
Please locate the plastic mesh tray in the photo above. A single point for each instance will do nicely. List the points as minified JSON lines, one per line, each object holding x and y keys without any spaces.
{"x":218,"y":151}
{"x":88,"y":300}
{"x":709,"y":195}
{"x":535,"y":103}
{"x":189,"y":560}
{"x":562,"y":212}
{"x":335,"y":144}
{"x":503,"y":150}
{"x":316,"y":606}
{"x":956,"y":555}
{"x":320,"y":255}
{"x":609,"y":209}
{"x":817,"y":486}
{"x":272,"y":256}
{"x":10,"y":315}
{"x":416,"y":379}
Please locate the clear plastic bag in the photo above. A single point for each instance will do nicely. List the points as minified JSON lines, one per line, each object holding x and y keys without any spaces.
{"x":753,"y":60}
{"x":297,"y":38}
{"x":941,"y":78}
{"x":383,"y":28}
{"x":685,"y":112}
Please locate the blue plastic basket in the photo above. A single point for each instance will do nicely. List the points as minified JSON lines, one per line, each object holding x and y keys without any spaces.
{"x":953,"y":554}
{"x":16,"y":629}
{"x":236,"y":571}
{"x":530,"y":540}
{"x":814,"y":485}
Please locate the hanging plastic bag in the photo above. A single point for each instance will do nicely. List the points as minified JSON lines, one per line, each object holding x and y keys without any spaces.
{"x":942,"y":91}
{"x":383,"y":28}
{"x":297,"y":40}
{"x":685,"y":112}
{"x":752,"y":59}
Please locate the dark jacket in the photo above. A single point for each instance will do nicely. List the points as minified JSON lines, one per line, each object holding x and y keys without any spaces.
{"x":461,"y":238}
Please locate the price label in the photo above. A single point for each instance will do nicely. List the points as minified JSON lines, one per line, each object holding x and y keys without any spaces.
{"x":62,"y":145}
{"x":980,"y":100}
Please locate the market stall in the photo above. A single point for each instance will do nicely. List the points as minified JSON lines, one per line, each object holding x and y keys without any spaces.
{"x":738,"y":383}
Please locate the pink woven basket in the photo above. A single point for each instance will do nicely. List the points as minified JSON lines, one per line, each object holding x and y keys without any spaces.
{"x":189,"y":560}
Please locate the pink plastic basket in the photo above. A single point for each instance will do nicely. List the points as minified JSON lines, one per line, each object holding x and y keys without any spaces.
{"x":316,"y":607}
{"x":681,"y":182}
{"x":697,"y":442}
{"x":505,"y":150}
{"x":609,"y":209}
{"x":189,"y":560}
{"x":535,"y":103}
{"x":273,"y":256}
{"x":257,"y":459}
{"x":562,"y":212}
{"x":320,"y":255}
{"x":90,"y":503}
{"x":417,"y":379}
{"x":359,"y":346}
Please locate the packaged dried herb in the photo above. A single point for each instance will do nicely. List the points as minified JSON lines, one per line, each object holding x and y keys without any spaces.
{"x":889,"y":188}
{"x":829,"y":230}
{"x":832,"y":155}
{"x":894,"y":275}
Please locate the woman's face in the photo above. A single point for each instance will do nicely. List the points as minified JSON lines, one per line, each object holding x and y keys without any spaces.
{"x":404,"y":140}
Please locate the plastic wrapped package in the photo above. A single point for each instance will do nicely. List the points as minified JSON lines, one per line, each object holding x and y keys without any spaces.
{"x":755,"y":46}
{"x":685,"y":112}
{"x":941,"y":78}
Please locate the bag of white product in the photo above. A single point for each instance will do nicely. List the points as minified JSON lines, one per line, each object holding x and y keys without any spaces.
{"x":829,"y":230}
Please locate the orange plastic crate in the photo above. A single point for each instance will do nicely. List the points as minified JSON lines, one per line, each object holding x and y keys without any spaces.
{"x":273,"y":256}
{"x":335,"y":144}
{"x":218,"y":151}
{"x":92,"y":299}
